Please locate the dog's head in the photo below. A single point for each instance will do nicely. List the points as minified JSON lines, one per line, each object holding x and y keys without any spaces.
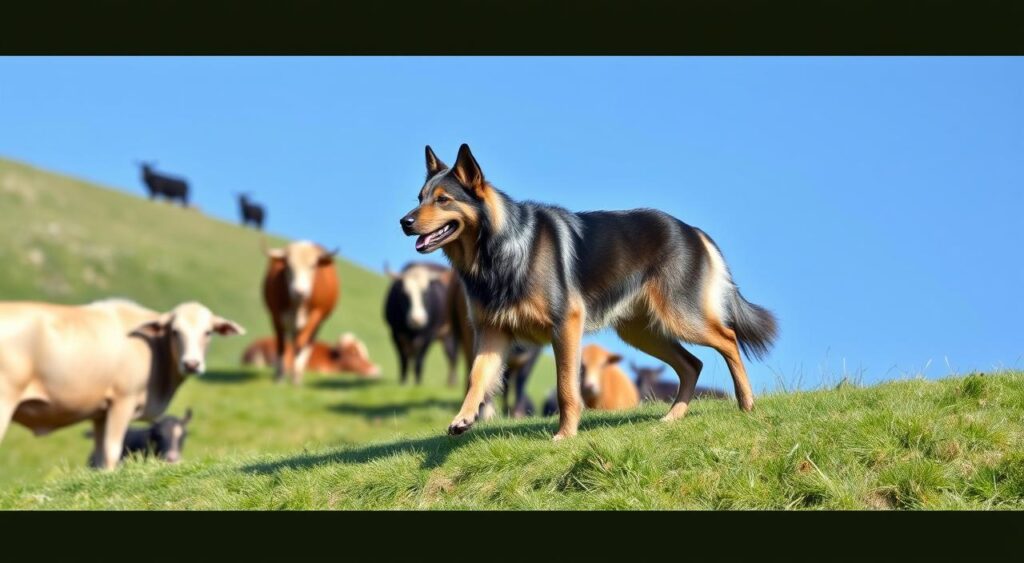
{"x":452,"y":203}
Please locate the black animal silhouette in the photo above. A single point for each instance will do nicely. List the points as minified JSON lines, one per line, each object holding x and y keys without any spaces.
{"x":252,"y":212}
{"x":168,"y":187}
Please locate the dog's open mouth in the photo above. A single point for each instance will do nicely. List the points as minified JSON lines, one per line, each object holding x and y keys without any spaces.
{"x":428,"y":242}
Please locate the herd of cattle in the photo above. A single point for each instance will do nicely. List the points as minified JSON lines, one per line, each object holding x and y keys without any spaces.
{"x":114,"y":361}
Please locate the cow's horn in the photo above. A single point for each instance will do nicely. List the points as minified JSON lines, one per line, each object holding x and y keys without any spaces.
{"x":271,"y":252}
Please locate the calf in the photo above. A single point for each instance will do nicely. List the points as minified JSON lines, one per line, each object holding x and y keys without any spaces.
{"x":110,"y":362}
{"x":603,"y":385}
{"x":416,"y":311}
{"x":166,"y":186}
{"x":349,"y":354}
{"x":252,"y":212}
{"x":300,"y":289}
{"x":652,"y":388}
{"x":164,"y":438}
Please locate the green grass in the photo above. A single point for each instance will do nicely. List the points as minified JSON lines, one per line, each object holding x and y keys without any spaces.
{"x":948,"y":444}
{"x":339,"y":442}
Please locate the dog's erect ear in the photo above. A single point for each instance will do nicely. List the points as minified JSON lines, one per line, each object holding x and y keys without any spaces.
{"x":434,"y":164}
{"x":659,"y":370}
{"x":614,"y":358}
{"x":467,"y":171}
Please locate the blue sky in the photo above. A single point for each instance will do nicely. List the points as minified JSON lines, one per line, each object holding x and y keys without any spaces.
{"x":872,"y":203}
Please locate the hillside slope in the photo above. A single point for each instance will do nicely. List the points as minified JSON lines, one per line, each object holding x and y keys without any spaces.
{"x":68,"y":241}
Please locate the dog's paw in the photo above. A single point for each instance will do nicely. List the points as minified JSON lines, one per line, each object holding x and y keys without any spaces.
{"x":562,"y":435}
{"x":459,"y":426}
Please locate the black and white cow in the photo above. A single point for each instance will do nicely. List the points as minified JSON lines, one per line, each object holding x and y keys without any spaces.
{"x":416,"y":309}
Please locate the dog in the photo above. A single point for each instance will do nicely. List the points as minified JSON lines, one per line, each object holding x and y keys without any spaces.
{"x":540,"y":273}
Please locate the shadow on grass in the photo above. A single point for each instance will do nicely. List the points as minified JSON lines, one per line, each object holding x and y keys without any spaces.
{"x":342,"y":383}
{"x":229,"y":377}
{"x":438,"y":448}
{"x":395,"y":409}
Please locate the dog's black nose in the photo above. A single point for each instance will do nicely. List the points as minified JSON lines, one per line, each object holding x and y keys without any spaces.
{"x":407,"y":221}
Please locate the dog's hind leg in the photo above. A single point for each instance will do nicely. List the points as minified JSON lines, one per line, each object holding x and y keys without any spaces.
{"x":723,"y":339}
{"x":638,"y":334}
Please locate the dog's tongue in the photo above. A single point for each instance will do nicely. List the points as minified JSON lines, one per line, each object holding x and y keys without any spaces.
{"x":421,"y":241}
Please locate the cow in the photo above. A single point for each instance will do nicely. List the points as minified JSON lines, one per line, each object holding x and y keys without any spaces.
{"x":252,"y":212}
{"x":518,"y":366}
{"x":349,"y":354}
{"x":416,"y":310}
{"x":603,"y":384}
{"x":164,"y":439}
{"x":300,"y":290}
{"x":652,"y":388}
{"x":162,"y":185}
{"x":110,"y":362}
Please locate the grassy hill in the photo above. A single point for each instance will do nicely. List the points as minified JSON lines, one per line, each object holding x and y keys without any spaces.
{"x":339,"y":442}
{"x":69,"y":241}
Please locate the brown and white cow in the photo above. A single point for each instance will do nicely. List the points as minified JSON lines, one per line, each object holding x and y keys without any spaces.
{"x":349,"y":354}
{"x":300,"y":290}
{"x":111,"y":362}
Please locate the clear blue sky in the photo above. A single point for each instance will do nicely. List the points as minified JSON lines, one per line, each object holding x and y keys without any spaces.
{"x":873,"y":203}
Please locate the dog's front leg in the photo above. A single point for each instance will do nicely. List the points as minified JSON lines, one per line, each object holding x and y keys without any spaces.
{"x":566,"y":344}
{"x":490,"y":358}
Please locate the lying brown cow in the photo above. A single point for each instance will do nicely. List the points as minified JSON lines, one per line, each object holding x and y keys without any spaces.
{"x":348,"y":355}
{"x":110,"y":362}
{"x":300,"y":290}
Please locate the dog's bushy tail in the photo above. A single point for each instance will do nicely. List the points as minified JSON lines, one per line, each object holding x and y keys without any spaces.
{"x":756,"y":327}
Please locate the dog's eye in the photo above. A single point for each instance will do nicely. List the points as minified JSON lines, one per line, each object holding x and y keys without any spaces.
{"x":443,"y":199}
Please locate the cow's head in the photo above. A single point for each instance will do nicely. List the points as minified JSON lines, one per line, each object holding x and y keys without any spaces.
{"x":189,"y":327}
{"x":415,"y":281}
{"x":167,"y":436}
{"x":595,"y":360}
{"x":301,"y":260}
{"x":353,"y":356}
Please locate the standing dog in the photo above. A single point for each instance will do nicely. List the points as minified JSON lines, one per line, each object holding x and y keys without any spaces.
{"x":541,"y":273}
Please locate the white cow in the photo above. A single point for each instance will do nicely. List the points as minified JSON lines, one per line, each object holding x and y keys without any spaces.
{"x":111,"y":362}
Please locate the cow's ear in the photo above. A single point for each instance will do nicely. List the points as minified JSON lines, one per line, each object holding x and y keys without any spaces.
{"x":468,"y":172}
{"x":659,"y":370}
{"x":225,"y":327}
{"x":614,"y":358}
{"x":434,"y":164}
{"x":154,"y":328}
{"x":188,"y":416}
{"x":327,"y":258}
